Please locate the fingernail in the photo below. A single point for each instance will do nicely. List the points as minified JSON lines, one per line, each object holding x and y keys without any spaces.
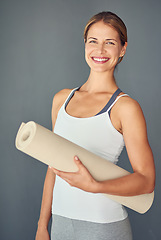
{"x":76,"y":158}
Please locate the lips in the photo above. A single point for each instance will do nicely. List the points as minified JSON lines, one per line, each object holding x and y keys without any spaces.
{"x":100,"y":59}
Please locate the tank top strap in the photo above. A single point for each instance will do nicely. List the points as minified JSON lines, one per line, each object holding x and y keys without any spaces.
{"x":109,"y":109}
{"x":110,"y":102}
{"x":70,"y":96}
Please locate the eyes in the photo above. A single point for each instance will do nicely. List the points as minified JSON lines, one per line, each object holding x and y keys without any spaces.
{"x":106,"y":43}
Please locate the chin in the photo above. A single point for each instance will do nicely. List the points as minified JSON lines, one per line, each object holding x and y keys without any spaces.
{"x":102,"y":70}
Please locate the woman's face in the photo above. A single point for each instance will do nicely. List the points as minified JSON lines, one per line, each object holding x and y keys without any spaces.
{"x":103,"y":47}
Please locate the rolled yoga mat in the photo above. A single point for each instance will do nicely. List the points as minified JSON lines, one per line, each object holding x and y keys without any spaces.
{"x":54,"y":150}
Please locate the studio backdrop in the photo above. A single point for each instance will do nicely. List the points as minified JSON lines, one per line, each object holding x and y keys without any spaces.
{"x":42,"y":52}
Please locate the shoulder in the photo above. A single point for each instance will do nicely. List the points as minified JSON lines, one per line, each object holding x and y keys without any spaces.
{"x":130,"y":114}
{"x":128,"y":106}
{"x":58,"y":101}
{"x":126,"y":102}
{"x":60,"y":97}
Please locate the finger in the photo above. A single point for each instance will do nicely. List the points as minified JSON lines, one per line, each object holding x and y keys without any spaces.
{"x":57,"y":172}
{"x":79,"y":163}
{"x":64,"y":175}
{"x":53,"y":169}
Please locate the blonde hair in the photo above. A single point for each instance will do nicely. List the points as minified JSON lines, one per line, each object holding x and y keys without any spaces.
{"x":111,"y":19}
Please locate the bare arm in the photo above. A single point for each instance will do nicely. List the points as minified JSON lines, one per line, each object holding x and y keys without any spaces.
{"x":142,"y":180}
{"x":46,"y":205}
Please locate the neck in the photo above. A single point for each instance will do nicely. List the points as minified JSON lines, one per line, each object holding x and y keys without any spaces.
{"x":100,"y":82}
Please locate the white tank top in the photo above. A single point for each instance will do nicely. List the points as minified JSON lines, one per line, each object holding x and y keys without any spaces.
{"x":98,"y":135}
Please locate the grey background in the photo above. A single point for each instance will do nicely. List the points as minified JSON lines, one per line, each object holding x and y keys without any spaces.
{"x":42,"y":52}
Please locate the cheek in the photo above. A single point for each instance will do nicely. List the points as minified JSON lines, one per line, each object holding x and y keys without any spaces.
{"x":87,"y":59}
{"x":113,"y":51}
{"x":88,"y":50}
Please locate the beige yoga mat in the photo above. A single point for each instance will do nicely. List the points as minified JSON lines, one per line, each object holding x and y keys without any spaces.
{"x":51,"y":149}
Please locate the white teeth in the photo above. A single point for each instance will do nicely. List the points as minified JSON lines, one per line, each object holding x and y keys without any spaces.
{"x":100,"y":59}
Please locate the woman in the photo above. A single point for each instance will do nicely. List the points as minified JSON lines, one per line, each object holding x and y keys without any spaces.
{"x":100,"y":118}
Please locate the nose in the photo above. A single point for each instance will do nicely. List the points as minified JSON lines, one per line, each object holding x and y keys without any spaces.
{"x":101,"y":48}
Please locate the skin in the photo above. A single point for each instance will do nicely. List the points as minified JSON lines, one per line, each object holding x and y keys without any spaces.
{"x":126,"y":116}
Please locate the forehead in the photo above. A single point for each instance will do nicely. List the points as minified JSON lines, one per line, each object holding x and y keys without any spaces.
{"x":100,"y":29}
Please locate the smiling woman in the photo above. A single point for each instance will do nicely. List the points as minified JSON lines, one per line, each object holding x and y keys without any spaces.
{"x":112,"y":20}
{"x":102,"y":45}
{"x":99,"y":117}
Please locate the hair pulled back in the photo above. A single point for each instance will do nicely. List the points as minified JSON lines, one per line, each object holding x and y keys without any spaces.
{"x":111,"y":19}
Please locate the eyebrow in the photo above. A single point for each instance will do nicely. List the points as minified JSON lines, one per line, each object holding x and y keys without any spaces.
{"x":108,"y":39}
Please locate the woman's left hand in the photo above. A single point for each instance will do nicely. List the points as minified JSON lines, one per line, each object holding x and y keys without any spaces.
{"x":81,"y":179}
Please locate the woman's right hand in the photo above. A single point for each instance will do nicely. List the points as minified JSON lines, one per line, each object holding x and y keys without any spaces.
{"x":42,"y":234}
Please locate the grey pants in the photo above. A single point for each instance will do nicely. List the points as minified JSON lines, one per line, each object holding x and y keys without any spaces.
{"x":70,"y":229}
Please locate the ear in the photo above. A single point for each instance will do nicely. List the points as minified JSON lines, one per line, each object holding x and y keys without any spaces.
{"x":123,"y":50}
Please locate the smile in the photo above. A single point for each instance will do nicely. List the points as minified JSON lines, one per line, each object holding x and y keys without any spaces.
{"x":100,"y":59}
